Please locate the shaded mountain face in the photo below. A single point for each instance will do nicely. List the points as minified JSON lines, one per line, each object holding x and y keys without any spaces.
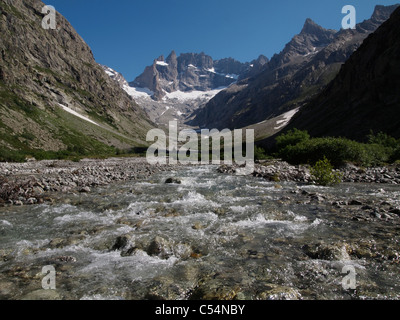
{"x":365,"y":94}
{"x":292,"y":77}
{"x":189,"y":72}
{"x":46,"y":76}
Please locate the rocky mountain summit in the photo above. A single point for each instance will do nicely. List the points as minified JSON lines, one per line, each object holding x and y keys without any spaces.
{"x":116,"y":76}
{"x":189,"y":72}
{"x":292,"y":77}
{"x":53,"y":94}
{"x":173,"y":88}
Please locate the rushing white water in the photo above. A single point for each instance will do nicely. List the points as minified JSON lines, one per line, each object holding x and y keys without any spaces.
{"x":147,"y":238}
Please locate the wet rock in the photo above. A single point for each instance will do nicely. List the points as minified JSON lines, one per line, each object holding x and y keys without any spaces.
{"x":276,"y":292}
{"x":130,"y":252}
{"x":220,"y":211}
{"x":165,"y":249}
{"x":85,"y":190}
{"x":130,"y":222}
{"x":367,"y":207}
{"x":31,"y":201}
{"x":322,"y":251}
{"x":182,"y":251}
{"x":197,"y":226}
{"x":172,"y":212}
{"x":42,"y":295}
{"x":7,"y":289}
{"x":57,"y":243}
{"x":160,"y":247}
{"x":173,"y":181}
{"x":395,"y":211}
{"x":121,"y":243}
{"x":376,"y":214}
{"x":66,"y":259}
{"x":60,"y":243}
{"x":38,"y":190}
{"x":355,"y":203}
{"x":167,"y":288}
{"x":196,"y":255}
{"x":214,"y":290}
{"x":317,"y":197}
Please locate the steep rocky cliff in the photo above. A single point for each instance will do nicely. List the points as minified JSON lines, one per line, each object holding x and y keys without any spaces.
{"x":365,"y":95}
{"x":53,"y":94}
{"x":292,"y":77}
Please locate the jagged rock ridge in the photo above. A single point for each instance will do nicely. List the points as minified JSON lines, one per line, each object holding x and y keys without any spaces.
{"x":365,"y":94}
{"x":292,"y":77}
{"x":190,"y":72}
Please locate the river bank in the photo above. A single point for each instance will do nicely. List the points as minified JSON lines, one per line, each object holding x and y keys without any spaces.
{"x":276,"y":171}
{"x":34,"y":182}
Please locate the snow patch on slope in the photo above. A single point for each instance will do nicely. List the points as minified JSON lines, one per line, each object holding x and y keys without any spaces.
{"x":77,"y":114}
{"x":162,"y":63}
{"x":286,"y":118}
{"x":192,"y":95}
{"x":138,"y":92}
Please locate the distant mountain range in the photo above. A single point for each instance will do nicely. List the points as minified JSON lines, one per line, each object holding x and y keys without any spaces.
{"x":173,"y":88}
{"x":291,"y":78}
{"x":55,"y":96}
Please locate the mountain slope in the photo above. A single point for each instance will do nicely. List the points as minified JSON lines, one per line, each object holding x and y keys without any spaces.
{"x":49,"y":76}
{"x":365,"y":95}
{"x":292,"y":77}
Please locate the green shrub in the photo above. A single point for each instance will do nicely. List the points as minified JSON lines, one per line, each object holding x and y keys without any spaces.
{"x":324,"y":175}
{"x":260,"y":154}
{"x":7,"y":155}
{"x":383,"y":139}
{"x":295,"y":148}
{"x":336,"y":150}
{"x":395,"y":156}
{"x":291,"y":138}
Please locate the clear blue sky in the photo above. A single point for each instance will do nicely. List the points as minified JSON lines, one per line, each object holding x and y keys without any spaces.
{"x":127,"y":35}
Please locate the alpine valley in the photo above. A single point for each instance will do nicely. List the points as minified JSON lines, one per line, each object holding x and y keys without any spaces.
{"x":84,"y":215}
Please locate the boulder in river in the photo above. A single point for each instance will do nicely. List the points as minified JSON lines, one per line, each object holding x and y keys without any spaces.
{"x":323,"y":251}
{"x":173,"y":181}
{"x":121,"y":243}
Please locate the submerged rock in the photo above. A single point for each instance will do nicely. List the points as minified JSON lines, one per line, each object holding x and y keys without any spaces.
{"x":165,"y":249}
{"x":160,"y":247}
{"x":42,"y":295}
{"x":322,"y":251}
{"x":214,"y":290}
{"x":276,"y":292}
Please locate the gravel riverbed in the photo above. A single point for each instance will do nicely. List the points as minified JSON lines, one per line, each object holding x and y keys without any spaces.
{"x":34,"y":182}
